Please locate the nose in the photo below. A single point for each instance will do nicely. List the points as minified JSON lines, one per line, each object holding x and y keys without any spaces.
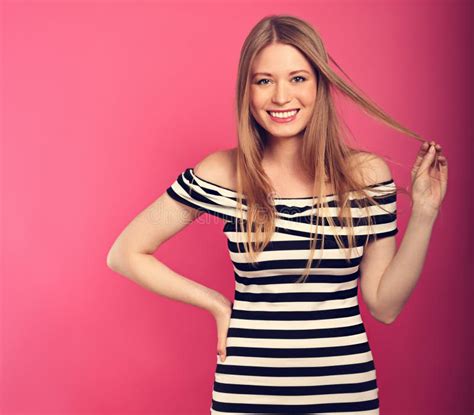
{"x":280,"y":95}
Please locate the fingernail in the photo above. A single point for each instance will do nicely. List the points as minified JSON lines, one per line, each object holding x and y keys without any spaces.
{"x":432,"y":149}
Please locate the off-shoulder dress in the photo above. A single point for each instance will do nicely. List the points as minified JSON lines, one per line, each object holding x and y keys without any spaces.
{"x":294,"y":347}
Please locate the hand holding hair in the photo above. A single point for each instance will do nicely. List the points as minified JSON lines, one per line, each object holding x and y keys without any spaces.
{"x":429,"y":179}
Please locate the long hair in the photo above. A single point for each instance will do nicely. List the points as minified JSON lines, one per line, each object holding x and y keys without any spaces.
{"x":325,"y":155}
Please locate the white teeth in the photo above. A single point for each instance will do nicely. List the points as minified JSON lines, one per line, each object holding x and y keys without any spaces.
{"x":283,"y":114}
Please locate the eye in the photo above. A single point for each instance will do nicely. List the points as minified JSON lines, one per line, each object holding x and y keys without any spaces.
{"x":302,"y":77}
{"x":266,"y":79}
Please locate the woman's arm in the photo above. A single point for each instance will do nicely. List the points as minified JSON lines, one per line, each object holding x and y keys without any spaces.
{"x":401,"y":275}
{"x":390,"y":276}
{"x":154,"y":275}
{"x":131,"y":255}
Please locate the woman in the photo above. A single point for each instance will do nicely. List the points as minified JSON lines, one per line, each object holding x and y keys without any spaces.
{"x":293,"y":341}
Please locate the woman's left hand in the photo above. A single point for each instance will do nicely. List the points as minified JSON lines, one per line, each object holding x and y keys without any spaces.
{"x":429,"y":179}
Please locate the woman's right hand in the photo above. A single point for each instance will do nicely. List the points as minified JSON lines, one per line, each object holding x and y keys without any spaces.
{"x":222,"y":315}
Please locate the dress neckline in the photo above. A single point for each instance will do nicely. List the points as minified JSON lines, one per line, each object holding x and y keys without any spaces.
{"x":282,"y":198}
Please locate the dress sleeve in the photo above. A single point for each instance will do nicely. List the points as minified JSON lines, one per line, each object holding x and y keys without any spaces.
{"x":202,"y":195}
{"x":384,"y":217}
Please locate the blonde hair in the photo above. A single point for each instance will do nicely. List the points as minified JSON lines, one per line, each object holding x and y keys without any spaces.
{"x":326,"y":156}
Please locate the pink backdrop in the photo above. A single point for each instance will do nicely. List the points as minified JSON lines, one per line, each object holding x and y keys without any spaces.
{"x":105,"y":103}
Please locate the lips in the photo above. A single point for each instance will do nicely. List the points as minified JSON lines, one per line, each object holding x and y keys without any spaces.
{"x":284,"y":120}
{"x":289,"y":110}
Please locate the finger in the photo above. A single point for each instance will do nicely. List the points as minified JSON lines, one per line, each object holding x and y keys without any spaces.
{"x":443,"y":168}
{"x":424,"y":146}
{"x":221,"y":348}
{"x":421,"y":154}
{"x":428,"y":159}
{"x":441,"y":160}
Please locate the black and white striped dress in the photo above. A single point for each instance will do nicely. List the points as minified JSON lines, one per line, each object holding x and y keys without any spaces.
{"x":293,"y":347}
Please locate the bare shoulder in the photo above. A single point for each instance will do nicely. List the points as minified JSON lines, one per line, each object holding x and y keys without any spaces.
{"x":219,"y":167}
{"x":370,"y":167}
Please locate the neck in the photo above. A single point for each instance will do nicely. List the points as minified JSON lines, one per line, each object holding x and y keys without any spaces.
{"x":283,"y":153}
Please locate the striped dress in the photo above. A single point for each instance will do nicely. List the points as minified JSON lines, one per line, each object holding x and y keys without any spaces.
{"x":293,"y":348}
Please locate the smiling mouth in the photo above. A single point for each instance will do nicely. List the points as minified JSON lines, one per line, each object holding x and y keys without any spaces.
{"x":281,"y":112}
{"x":283,"y":116}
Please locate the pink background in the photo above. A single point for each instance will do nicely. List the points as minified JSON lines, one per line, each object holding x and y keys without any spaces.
{"x":106,"y":102}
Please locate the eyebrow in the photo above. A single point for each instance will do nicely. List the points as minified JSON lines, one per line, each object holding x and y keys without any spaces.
{"x":291,"y":73}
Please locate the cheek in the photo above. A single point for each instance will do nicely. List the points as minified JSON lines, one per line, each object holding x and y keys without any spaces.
{"x":309,"y":97}
{"x":256,"y":104}
{"x":256,"y":99}
{"x":253,"y":107}
{"x":255,"y":113}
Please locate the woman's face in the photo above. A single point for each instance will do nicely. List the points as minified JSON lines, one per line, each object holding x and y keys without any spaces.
{"x":282,"y":79}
